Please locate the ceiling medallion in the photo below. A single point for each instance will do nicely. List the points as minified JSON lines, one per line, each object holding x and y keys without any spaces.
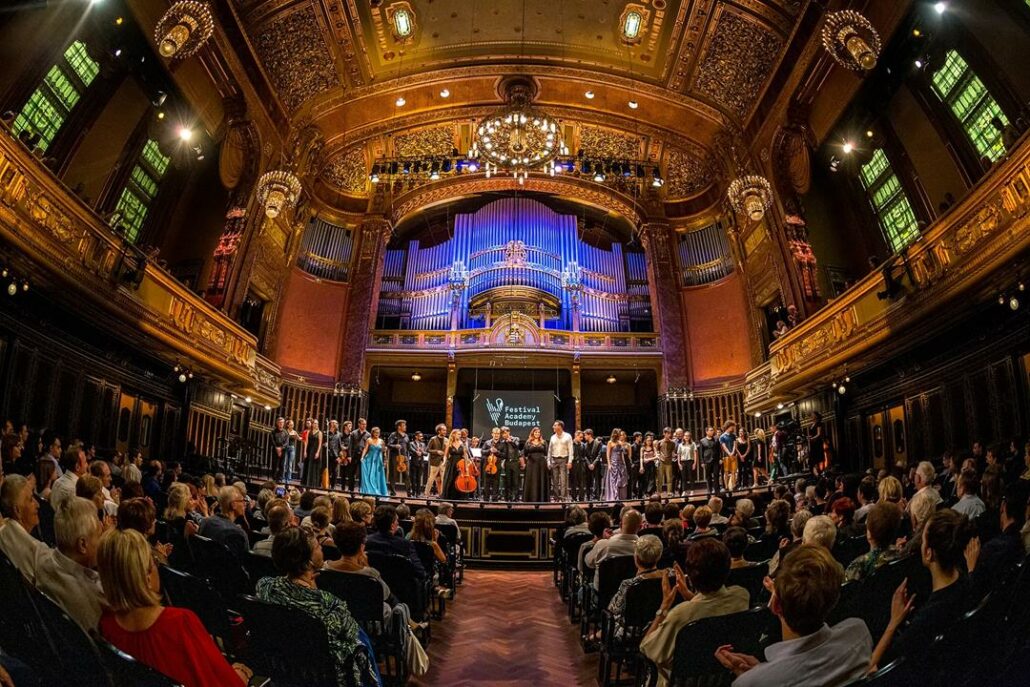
{"x":277,"y":191}
{"x":750,"y":194}
{"x":519,"y":137}
{"x":851,"y":40}
{"x":184,"y":29}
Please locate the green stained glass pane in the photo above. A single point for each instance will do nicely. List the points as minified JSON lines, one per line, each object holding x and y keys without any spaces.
{"x":945,"y":78}
{"x":152,"y":155}
{"x":965,"y":100}
{"x":134,"y":213}
{"x":39,"y":116}
{"x":63,"y":90}
{"x":886,"y":191}
{"x":144,"y":181}
{"x":81,"y":63}
{"x":985,"y":136}
{"x":872,"y":170}
{"x":899,"y":223}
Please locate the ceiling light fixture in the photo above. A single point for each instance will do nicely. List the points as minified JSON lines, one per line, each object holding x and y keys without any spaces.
{"x":848,"y":147}
{"x":750,"y":194}
{"x":184,"y":29}
{"x":589,"y":95}
{"x":869,"y":133}
{"x":940,"y":7}
{"x":851,"y":40}
{"x":185,"y":133}
{"x":633,"y":104}
{"x":445,"y":93}
{"x":416,"y":377}
{"x":277,"y":191}
{"x":611,"y":379}
{"x":519,"y":137}
{"x":400,"y":102}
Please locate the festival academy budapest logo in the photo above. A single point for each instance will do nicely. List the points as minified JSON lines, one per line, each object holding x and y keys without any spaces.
{"x":495,"y":410}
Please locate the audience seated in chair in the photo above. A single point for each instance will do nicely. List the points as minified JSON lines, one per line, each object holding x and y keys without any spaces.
{"x":707,"y":566}
{"x":821,"y":531}
{"x":715,"y":505}
{"x":139,"y":514}
{"x":73,"y":466}
{"x":222,"y":528}
{"x":20,"y":512}
{"x":992,"y":563}
{"x":299,"y":558}
{"x":621,"y":544}
{"x":881,"y":533}
{"x":68,"y":574}
{"x":171,"y":640}
{"x":703,"y":522}
{"x":735,"y":539}
{"x":444,"y":511}
{"x":943,"y":547}
{"x":647,"y":552}
{"x":968,"y":490}
{"x":806,"y":589}
{"x":280,"y":516}
{"x":385,"y":539}
{"x":575,"y":521}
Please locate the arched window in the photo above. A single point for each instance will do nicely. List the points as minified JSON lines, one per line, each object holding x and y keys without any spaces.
{"x":969,"y":100}
{"x":893,"y":210}
{"x":50,"y":104}
{"x":141,"y":188}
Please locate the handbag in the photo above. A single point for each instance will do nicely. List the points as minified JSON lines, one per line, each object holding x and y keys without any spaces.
{"x":418,"y":659}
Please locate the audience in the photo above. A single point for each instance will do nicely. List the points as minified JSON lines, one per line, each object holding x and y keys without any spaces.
{"x":647,"y":552}
{"x":73,"y":466}
{"x":622,"y":544}
{"x":707,"y":567}
{"x":806,"y":589}
{"x":820,"y":531}
{"x":702,"y":524}
{"x":68,"y":574}
{"x":170,"y":640}
{"x":222,"y":528}
{"x":735,"y":539}
{"x":991,"y":563}
{"x":20,"y":512}
{"x":968,"y":491}
{"x":797,"y":533}
{"x":279,"y":518}
{"x":386,"y":540}
{"x":715,"y":505}
{"x":881,"y":532}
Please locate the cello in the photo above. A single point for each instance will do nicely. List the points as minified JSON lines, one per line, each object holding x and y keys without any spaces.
{"x":467,"y":470}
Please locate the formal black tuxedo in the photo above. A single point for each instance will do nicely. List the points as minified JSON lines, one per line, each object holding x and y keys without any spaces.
{"x":593,"y":452}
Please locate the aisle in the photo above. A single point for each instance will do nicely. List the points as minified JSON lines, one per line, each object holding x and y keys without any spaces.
{"x":507,"y":629}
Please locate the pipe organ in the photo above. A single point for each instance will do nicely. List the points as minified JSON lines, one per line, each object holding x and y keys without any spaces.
{"x":704,"y":255}
{"x":515,"y":255}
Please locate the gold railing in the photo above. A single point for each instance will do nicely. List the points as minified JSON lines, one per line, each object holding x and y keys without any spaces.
{"x":533,"y":339}
{"x":952,"y":259}
{"x":97,"y":273}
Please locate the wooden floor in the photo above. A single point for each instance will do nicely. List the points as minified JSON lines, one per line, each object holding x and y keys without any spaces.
{"x":506,"y":629}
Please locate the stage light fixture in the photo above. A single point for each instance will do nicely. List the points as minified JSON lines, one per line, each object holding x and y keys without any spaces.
{"x":869,"y":133}
{"x":12,"y":289}
{"x":248,"y":399}
{"x":940,"y":7}
{"x":1014,"y":303}
{"x":1001,"y":299}
{"x":758,"y":413}
{"x":268,"y":407}
{"x":160,"y":115}
{"x":119,"y":21}
{"x":779,"y":406}
{"x":182,"y":378}
{"x":841,"y":389}
{"x":848,"y":147}
{"x":185,"y":134}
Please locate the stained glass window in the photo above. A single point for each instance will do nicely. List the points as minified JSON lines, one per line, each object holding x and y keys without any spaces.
{"x":969,"y":100}
{"x":142,"y":188}
{"x":893,"y":210}
{"x":50,"y":104}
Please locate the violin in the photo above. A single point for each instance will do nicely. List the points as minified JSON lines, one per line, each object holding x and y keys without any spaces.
{"x":491,"y":464}
{"x":467,"y":473}
{"x":402,"y":462}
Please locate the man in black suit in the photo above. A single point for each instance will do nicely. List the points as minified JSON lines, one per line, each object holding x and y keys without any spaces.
{"x":334,"y":449}
{"x":592,"y":452}
{"x":578,"y":477}
{"x":417,"y":459}
{"x":356,"y":444}
{"x":398,"y":442}
{"x":387,"y":540}
{"x":509,"y":456}
{"x":711,"y":457}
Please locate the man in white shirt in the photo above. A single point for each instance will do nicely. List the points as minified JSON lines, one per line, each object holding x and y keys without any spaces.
{"x":969,"y":503}
{"x":68,"y":575}
{"x":101,"y":469}
{"x":924,"y":477}
{"x":20,"y":515}
{"x":807,"y":588}
{"x":715,"y":503}
{"x":559,"y":458}
{"x":73,"y":462}
{"x":621,"y":544}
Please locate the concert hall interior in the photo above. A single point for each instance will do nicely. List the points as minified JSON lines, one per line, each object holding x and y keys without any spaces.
{"x":654,"y":342}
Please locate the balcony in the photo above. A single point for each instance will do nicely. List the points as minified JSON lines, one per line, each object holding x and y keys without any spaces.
{"x":92,"y":270}
{"x":949,"y":266}
{"x":533,"y":339}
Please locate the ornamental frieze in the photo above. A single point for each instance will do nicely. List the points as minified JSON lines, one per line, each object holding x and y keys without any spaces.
{"x":189,"y":320}
{"x":830,"y":335}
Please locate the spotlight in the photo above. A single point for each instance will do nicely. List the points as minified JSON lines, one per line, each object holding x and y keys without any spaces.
{"x":919,"y":63}
{"x":24,"y":286}
{"x":1001,"y":299}
{"x":248,"y":399}
{"x":779,"y":406}
{"x":917,"y":33}
{"x":400,"y":102}
{"x":848,"y":147}
{"x":472,"y":166}
{"x":160,"y":115}
{"x":119,"y":21}
{"x":758,"y":413}
{"x":190,"y":375}
{"x":118,"y":52}
{"x":869,"y":133}
{"x":598,"y":176}
{"x":416,"y":377}
{"x":12,"y":289}
{"x":1014,"y":303}
{"x":185,"y":133}
{"x":589,"y":95}
{"x":841,"y":389}
{"x":445,"y":93}
{"x":611,"y":379}
{"x":633,"y":104}
{"x":268,"y":407}
{"x":940,"y":7}
{"x":182,"y":378}
{"x":1022,"y":286}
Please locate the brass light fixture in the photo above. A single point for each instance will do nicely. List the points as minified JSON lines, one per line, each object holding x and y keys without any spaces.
{"x":851,"y":40}
{"x":416,"y":376}
{"x":184,"y":29}
{"x":277,"y":191}
{"x":750,"y":194}
{"x":611,"y":379}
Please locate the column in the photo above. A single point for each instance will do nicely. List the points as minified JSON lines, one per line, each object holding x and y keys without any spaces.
{"x":366,"y":278}
{"x":663,"y":283}
{"x":452,"y":388}
{"x":577,"y":388}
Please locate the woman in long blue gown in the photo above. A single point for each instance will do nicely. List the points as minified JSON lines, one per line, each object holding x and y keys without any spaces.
{"x":373,"y":476}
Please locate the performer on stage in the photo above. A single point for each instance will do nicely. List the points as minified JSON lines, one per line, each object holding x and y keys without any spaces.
{"x":617,"y":479}
{"x":373,"y":472}
{"x":815,"y":442}
{"x":578,"y":476}
{"x":313,"y":443}
{"x":559,"y":460}
{"x":537,"y":486}
{"x":356,"y":449}
{"x":345,"y":458}
{"x":743,"y":451}
{"x":686,"y":456}
{"x":666,"y":456}
{"x":456,"y":450}
{"x":491,"y":464}
{"x":417,"y":459}
{"x":333,"y":449}
{"x":509,"y":466}
{"x":759,"y":458}
{"x":594,"y":452}
{"x":711,"y":454}
{"x":728,"y":445}
{"x":645,"y":468}
{"x":280,"y":454}
{"x":398,"y":444}
{"x":639,"y":485}
{"x":437,"y":451}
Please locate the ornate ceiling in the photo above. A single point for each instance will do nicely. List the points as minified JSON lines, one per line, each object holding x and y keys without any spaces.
{"x":693,"y":67}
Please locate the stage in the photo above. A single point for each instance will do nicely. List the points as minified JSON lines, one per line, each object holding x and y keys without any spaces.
{"x":519,"y":535}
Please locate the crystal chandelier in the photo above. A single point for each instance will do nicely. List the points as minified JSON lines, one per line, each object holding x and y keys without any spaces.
{"x":184,"y":28}
{"x":851,"y":40}
{"x":519,"y":138}
{"x":277,"y":191}
{"x":750,"y":194}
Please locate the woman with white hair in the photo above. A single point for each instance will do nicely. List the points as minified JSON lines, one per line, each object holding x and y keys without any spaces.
{"x":922,"y":506}
{"x":647,"y":552}
{"x":821,"y":531}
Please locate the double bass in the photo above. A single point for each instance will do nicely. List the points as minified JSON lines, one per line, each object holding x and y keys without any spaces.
{"x":467,"y":470}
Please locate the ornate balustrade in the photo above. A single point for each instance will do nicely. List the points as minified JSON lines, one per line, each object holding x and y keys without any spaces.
{"x":99,"y":274}
{"x":537,"y":339}
{"x":954,"y":259}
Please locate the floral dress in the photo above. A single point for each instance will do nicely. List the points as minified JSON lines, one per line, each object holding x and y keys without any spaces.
{"x":353,"y":666}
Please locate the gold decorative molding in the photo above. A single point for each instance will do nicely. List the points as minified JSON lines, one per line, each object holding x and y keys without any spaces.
{"x":296,"y":56}
{"x":349,"y":171}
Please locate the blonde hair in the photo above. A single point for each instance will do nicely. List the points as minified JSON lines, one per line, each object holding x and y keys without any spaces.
{"x":341,"y":510}
{"x":210,"y":488}
{"x":178,"y":499}
{"x":889,"y":489}
{"x":124,"y":561}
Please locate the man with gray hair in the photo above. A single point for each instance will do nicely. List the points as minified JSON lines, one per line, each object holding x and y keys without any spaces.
{"x":821,"y":531}
{"x":222,"y":527}
{"x":715,"y":503}
{"x":68,"y":575}
{"x":924,"y":477}
{"x":621,"y":544}
{"x":20,"y":515}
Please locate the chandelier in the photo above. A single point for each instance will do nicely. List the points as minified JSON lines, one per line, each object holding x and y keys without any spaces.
{"x":851,"y":40}
{"x":519,"y":137}
{"x":277,"y":191}
{"x":750,"y":194}
{"x":184,"y":28}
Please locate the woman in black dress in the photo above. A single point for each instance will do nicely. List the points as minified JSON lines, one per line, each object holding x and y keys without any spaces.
{"x":537,"y":487}
{"x":313,"y":457}
{"x":454,"y":452}
{"x":815,"y":442}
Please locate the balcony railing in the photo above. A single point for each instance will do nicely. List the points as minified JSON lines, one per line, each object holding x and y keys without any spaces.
{"x":479,"y":339}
